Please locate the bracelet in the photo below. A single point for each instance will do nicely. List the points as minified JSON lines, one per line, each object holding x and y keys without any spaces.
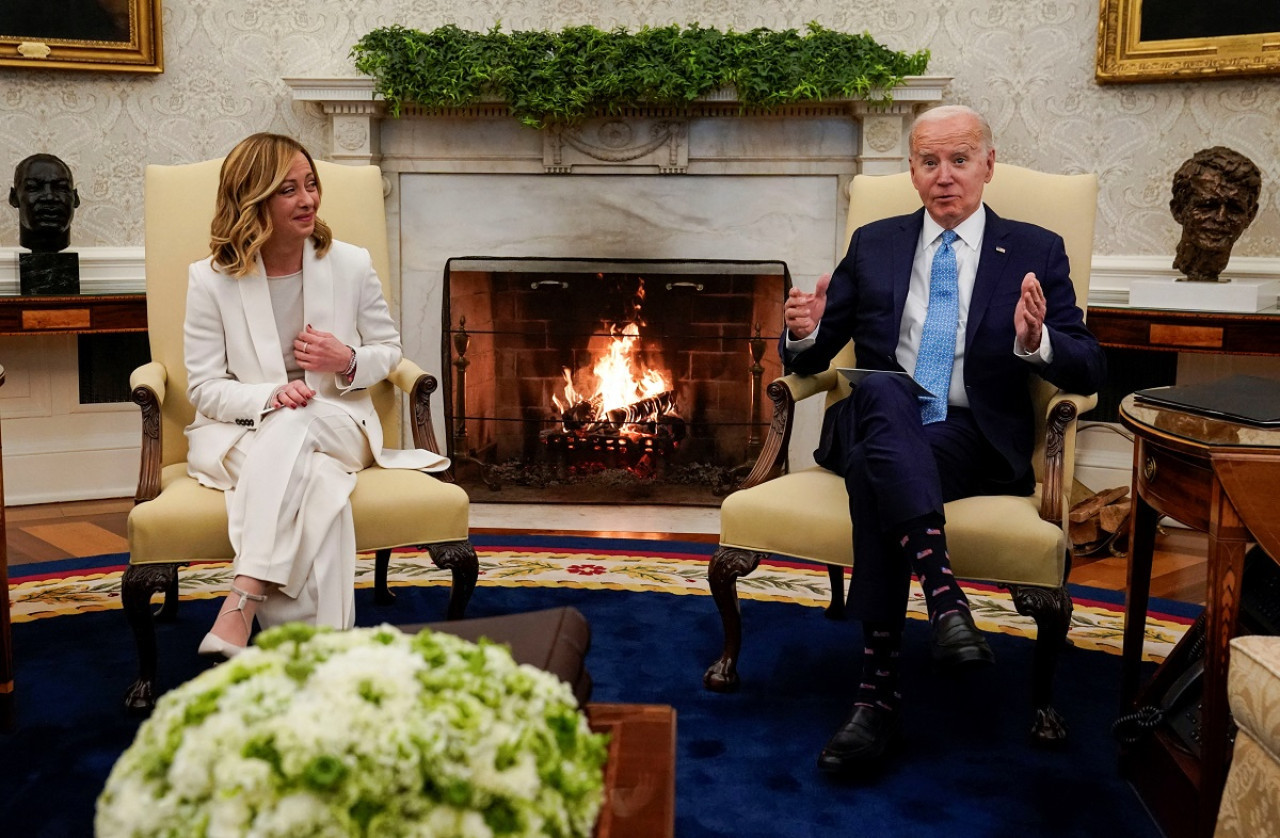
{"x":351,"y":367}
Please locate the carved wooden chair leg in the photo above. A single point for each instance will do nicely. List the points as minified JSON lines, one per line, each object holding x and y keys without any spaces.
{"x":1051,"y":609}
{"x":382,"y":594}
{"x":168,"y":610}
{"x":137,"y":586}
{"x":835,"y":611}
{"x":727,"y":565}
{"x":459,"y":557}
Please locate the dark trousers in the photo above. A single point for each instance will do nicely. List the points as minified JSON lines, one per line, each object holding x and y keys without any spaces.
{"x":899,"y":472}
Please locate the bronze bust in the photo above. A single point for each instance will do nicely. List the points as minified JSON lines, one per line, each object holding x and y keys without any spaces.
{"x":1215,"y":197}
{"x":46,"y":198}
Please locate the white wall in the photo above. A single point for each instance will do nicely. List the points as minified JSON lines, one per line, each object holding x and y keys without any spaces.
{"x":1029,"y":66}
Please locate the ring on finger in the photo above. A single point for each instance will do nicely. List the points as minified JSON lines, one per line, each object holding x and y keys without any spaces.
{"x":305,"y":345}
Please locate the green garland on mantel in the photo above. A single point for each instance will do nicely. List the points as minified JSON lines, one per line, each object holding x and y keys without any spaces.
{"x":549,"y":78}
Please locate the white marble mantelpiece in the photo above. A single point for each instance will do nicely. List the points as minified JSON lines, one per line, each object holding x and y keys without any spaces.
{"x":713,"y":181}
{"x":357,"y":115}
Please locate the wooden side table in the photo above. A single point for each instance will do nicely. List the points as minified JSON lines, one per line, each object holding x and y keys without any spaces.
{"x":83,"y":314}
{"x":1164,"y":330}
{"x":1221,"y":478}
{"x":640,"y":778}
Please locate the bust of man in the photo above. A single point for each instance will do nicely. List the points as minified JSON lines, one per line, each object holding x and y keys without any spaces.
{"x":45,"y":195}
{"x":1215,"y":197}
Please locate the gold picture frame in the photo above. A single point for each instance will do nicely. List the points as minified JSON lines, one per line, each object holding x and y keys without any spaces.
{"x":1182,"y":40}
{"x":121,"y":36}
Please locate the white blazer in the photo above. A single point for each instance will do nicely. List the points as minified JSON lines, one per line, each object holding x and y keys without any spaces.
{"x":234,"y":362}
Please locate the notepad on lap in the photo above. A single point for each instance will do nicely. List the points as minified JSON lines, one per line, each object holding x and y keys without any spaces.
{"x":856,"y":375}
{"x":1248,"y":399}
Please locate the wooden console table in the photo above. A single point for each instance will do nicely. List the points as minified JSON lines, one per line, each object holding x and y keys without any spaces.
{"x":640,"y":778}
{"x":1221,"y":478}
{"x":1165,"y":330}
{"x":72,"y":314}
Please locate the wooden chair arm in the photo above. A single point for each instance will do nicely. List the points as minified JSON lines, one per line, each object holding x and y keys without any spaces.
{"x":1062,"y":416}
{"x":148,"y":383}
{"x":419,"y":385}
{"x":784,"y":392}
{"x":802,"y":387}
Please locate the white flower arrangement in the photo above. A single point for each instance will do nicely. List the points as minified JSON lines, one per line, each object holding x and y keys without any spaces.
{"x":368,"y":732}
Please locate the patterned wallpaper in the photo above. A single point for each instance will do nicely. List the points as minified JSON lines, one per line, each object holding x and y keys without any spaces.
{"x":1028,"y":64}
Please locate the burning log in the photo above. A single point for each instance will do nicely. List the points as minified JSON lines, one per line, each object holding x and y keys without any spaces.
{"x":579,"y":415}
{"x":644,"y":410}
{"x":671,"y":426}
{"x":652,"y":416}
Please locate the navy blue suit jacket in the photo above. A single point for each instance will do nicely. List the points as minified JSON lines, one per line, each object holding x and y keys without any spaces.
{"x":868,"y":293}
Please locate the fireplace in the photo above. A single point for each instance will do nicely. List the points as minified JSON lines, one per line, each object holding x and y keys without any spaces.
{"x":608,"y":380}
{"x":744,"y":184}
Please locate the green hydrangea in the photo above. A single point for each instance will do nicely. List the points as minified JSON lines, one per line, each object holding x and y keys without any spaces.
{"x":369,"y":732}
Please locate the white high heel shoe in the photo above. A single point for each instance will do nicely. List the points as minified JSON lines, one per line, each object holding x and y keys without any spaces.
{"x":212,"y":644}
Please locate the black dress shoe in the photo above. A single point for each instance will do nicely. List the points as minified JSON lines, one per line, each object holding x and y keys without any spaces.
{"x":958,"y":643}
{"x":863,"y":742}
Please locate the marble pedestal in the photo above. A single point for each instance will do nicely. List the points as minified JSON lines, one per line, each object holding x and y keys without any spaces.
{"x":49,"y":273}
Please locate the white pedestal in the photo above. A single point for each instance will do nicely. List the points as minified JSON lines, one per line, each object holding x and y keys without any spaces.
{"x":1238,"y":295}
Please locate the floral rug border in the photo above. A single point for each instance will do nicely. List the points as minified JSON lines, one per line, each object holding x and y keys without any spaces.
{"x":1096,"y":626}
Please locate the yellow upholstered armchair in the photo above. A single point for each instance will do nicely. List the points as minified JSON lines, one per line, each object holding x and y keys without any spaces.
{"x":1251,"y":799}
{"x":1014,"y":542}
{"x":176,"y":520}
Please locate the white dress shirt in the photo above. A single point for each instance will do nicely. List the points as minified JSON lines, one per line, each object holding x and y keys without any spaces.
{"x":967,"y":246}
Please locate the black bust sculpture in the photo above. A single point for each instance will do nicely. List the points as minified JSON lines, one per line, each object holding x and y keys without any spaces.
{"x":1215,"y":197}
{"x":45,"y":195}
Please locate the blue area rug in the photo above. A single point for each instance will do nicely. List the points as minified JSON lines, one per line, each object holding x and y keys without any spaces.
{"x":746,"y":761}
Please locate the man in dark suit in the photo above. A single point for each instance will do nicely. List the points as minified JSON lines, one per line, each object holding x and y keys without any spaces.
{"x":969,"y":305}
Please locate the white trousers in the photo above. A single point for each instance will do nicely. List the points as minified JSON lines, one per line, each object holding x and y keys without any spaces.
{"x":290,"y":512}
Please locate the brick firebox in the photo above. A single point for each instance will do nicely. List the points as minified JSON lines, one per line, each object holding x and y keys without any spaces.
{"x":512,"y":327}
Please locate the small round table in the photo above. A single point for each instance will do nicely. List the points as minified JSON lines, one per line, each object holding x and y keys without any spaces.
{"x":1222,"y":478}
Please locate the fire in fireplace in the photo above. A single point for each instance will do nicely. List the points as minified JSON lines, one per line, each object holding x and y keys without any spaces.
{"x":574,"y":380}
{"x":626,"y":415}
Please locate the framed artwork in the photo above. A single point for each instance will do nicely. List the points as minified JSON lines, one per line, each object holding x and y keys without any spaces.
{"x":1180,"y":40}
{"x":121,"y":36}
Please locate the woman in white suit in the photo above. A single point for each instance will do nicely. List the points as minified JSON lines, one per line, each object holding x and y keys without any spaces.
{"x":285,"y":328}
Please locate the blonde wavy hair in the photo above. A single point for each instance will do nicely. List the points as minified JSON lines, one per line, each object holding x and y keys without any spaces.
{"x":251,"y":174}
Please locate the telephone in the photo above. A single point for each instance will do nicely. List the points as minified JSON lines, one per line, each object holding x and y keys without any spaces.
{"x":1183,"y":709}
{"x":1179,"y":707}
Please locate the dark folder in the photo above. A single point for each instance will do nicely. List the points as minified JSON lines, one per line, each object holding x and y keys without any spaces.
{"x":1248,"y":399}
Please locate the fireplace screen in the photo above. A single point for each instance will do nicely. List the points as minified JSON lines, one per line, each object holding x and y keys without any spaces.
{"x":608,"y":381}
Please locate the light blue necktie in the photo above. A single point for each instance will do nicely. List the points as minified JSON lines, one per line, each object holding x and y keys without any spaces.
{"x":938,"y":338}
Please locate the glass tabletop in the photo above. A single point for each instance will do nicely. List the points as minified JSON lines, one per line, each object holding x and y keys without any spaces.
{"x":1195,"y":428}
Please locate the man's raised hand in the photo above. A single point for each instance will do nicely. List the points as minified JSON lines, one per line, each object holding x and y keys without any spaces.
{"x":803,"y":310}
{"x":1028,"y":317}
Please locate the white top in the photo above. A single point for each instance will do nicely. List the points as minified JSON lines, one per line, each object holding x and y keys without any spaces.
{"x":286,"y":305}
